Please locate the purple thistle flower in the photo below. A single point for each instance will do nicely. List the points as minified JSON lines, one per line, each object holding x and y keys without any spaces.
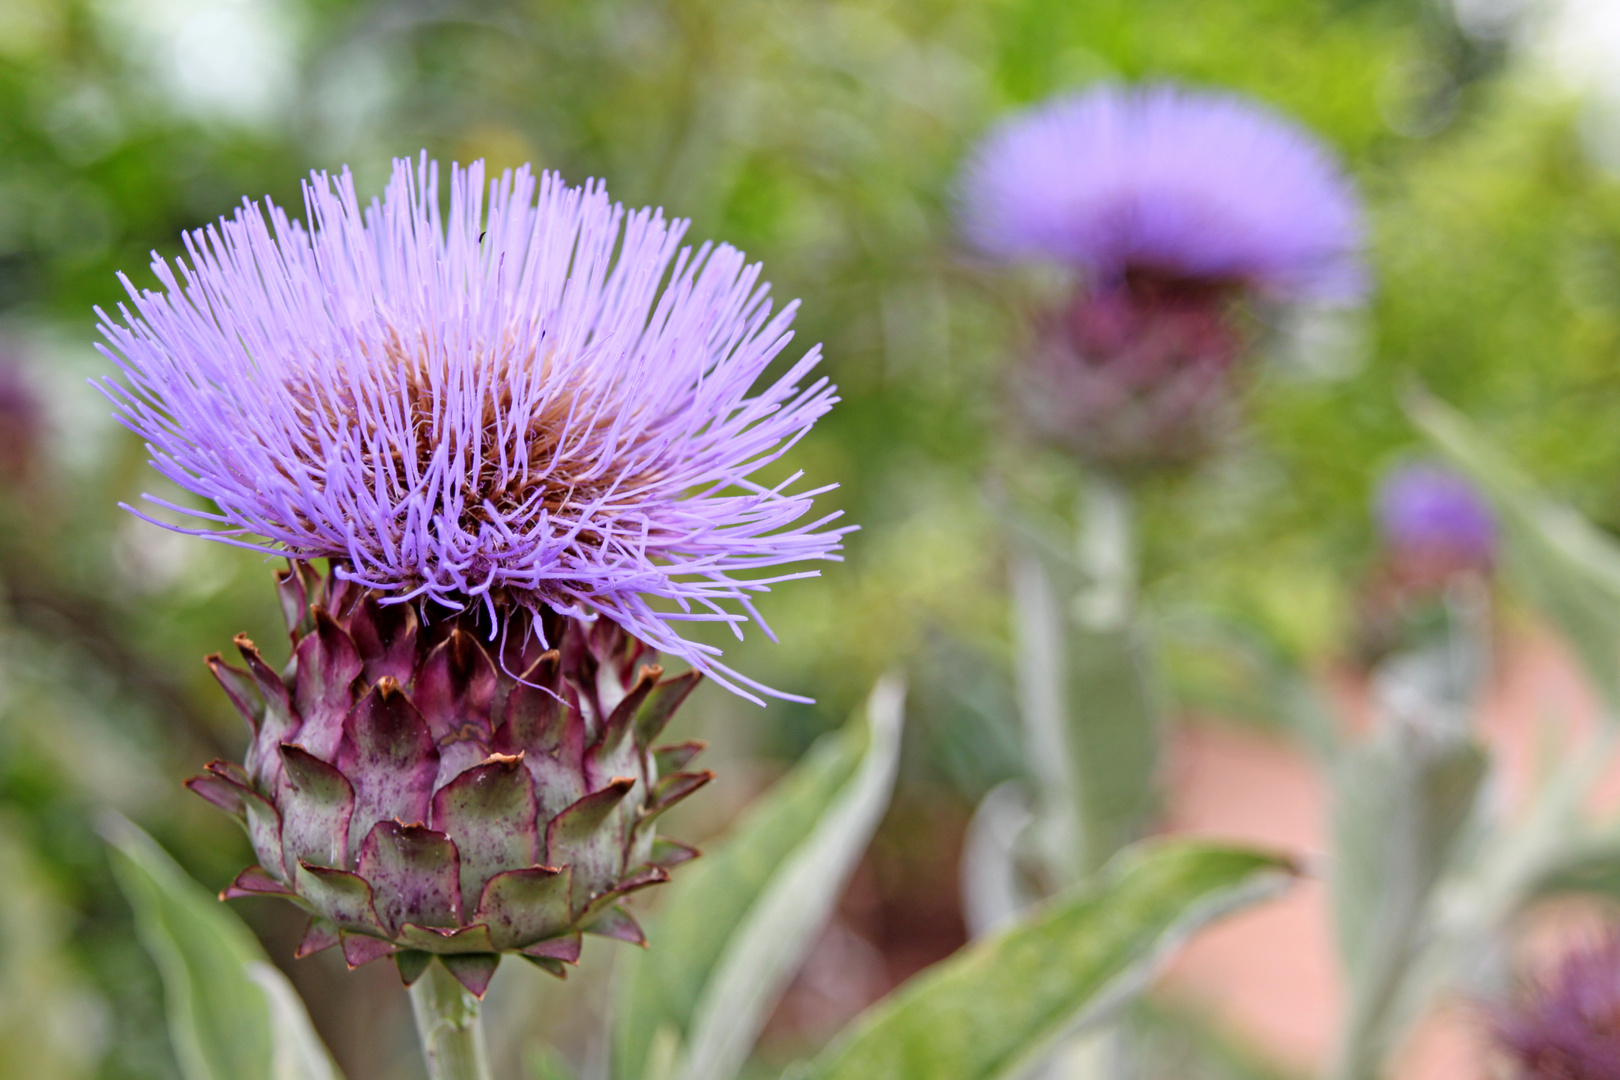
{"x":1570,"y":1029}
{"x":1172,"y":183}
{"x":1428,"y":512}
{"x":535,"y":401}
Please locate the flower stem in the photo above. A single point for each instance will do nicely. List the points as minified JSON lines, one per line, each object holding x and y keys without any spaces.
{"x":1106,"y":552}
{"x":448,"y":1023}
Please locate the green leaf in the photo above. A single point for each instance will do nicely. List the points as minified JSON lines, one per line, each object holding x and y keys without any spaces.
{"x":999,"y":1004}
{"x":1184,"y":1042}
{"x":1402,"y":808}
{"x":232,"y":1015}
{"x":1404,"y":802}
{"x":1090,"y":717}
{"x":992,"y":889}
{"x":735,"y":927}
{"x":1570,"y":568}
{"x":1113,"y":733}
{"x":542,"y":1063}
{"x":1087,"y":696}
{"x":296,"y":1052}
{"x":1590,"y":866}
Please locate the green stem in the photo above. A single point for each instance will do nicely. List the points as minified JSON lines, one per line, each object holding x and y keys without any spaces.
{"x":448,"y":1024}
{"x":1106,"y":553}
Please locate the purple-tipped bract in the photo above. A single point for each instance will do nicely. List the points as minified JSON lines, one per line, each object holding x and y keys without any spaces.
{"x":534,"y":400}
{"x":1168,"y":182}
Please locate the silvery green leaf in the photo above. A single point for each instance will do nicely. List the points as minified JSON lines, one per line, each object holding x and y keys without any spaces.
{"x":1570,"y":568}
{"x":1040,"y":643}
{"x":1523,"y":855}
{"x":1590,"y":865}
{"x":1403,"y":802}
{"x":1113,"y":733}
{"x":1002,"y":1003}
{"x":991,"y":893}
{"x":771,"y":942}
{"x":542,"y":1064}
{"x":232,"y":1015}
{"x":1178,"y":1043}
{"x":296,"y":1052}
{"x":736,"y":926}
{"x":1089,"y":710}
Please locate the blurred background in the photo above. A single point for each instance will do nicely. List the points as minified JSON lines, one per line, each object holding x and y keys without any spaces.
{"x":823,"y":138}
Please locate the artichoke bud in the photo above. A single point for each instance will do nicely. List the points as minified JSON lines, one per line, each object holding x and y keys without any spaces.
{"x":423,"y":790}
{"x":1136,"y":374}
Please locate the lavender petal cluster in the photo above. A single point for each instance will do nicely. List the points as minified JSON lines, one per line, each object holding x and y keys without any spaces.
{"x":525,"y":396}
{"x":1169,"y":182}
{"x":1428,"y":509}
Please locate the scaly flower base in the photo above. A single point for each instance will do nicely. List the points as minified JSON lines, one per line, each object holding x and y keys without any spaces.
{"x":419,"y":798}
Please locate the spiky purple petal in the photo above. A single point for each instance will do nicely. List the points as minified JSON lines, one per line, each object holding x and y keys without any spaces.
{"x":535,"y":398}
{"x":1177,"y":183}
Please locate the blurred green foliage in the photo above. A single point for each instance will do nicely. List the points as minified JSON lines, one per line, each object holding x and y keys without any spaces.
{"x":822,"y":137}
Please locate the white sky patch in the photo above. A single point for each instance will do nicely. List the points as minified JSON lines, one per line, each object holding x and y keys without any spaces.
{"x":1579,"y":42}
{"x":1572,"y":44}
{"x":228,"y":60}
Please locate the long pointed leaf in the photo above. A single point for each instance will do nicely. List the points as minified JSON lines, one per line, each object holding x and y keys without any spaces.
{"x":1404,"y":805}
{"x":232,"y":1015}
{"x":296,"y":1052}
{"x":772,"y":942}
{"x":1087,"y":696}
{"x":999,"y":1004}
{"x":736,"y":925}
{"x":1570,"y":567}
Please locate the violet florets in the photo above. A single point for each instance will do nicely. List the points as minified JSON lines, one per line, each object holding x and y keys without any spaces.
{"x":1430,"y":514}
{"x":1164,"y":181}
{"x":1173,"y":211}
{"x":532,"y":401}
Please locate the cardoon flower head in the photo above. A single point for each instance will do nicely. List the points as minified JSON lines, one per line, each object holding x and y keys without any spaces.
{"x":1171,"y":184}
{"x":1429,"y":514}
{"x":1570,"y":1027}
{"x":542,"y":402}
{"x":1172,"y":209}
{"x":1437,"y":532}
{"x":513,"y":429}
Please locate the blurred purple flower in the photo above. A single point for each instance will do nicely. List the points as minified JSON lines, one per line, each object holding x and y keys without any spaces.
{"x":1570,"y":1028}
{"x":1429,"y":512}
{"x":1135,"y":377}
{"x":1171,"y":183}
{"x":540,"y":401}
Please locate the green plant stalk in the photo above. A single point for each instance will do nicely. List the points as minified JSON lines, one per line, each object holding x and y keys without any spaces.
{"x":1106,"y":553}
{"x":1047,"y":620}
{"x":449,"y":1026}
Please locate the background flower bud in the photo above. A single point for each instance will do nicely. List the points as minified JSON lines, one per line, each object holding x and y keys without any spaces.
{"x":1568,"y":1027}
